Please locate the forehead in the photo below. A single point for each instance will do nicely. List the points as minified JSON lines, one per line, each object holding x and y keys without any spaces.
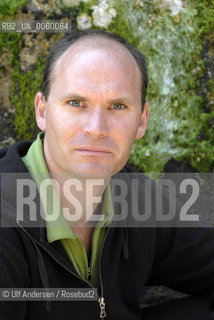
{"x":97,"y":61}
{"x":109,"y":51}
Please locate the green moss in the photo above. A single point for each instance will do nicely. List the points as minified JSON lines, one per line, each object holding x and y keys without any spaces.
{"x":205,"y":13}
{"x":83,"y":7}
{"x":211,"y":85}
{"x":121,"y":26}
{"x":11,"y":42}
{"x":9,"y":7}
{"x":22,"y":97}
{"x":86,"y":7}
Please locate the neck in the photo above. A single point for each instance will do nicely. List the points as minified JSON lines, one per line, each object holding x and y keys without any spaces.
{"x":80,"y":199}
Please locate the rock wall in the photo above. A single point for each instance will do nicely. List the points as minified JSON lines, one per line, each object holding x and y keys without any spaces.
{"x":178,"y":41}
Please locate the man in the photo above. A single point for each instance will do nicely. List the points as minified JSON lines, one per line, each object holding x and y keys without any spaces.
{"x":91,"y":110}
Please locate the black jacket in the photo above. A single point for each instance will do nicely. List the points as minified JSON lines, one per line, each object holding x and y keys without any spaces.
{"x":181,"y":258}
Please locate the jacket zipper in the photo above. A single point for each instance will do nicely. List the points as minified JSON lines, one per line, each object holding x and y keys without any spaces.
{"x":101,"y":299}
{"x":102,"y":308}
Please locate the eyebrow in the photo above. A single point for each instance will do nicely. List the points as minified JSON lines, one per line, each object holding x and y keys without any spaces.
{"x":123,"y":100}
{"x":74,"y":96}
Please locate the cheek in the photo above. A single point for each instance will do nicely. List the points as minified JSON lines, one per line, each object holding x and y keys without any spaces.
{"x":125,"y":136}
{"x":128,"y":128}
{"x":58,"y":123}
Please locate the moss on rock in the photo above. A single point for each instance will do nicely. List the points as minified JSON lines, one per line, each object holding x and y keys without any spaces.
{"x":22,"y":97}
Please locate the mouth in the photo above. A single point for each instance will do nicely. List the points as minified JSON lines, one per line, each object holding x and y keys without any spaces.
{"x":93,"y":150}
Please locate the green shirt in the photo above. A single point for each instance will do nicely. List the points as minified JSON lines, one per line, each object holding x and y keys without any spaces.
{"x":59,"y":229}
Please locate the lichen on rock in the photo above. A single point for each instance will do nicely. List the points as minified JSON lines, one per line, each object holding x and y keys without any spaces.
{"x":84,"y":21}
{"x":102,"y":14}
{"x":175,"y":6}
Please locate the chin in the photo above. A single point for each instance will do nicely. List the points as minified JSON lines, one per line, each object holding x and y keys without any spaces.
{"x":94,"y":172}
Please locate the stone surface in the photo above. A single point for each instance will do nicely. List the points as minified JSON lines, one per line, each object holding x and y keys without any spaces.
{"x":7,"y":110}
{"x":5,"y":80}
{"x":33,"y":47}
{"x":39,"y":6}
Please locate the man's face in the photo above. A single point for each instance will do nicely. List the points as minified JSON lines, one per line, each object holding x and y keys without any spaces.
{"x":93,"y":113}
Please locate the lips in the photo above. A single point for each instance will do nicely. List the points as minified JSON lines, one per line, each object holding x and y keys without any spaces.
{"x":91,"y":149}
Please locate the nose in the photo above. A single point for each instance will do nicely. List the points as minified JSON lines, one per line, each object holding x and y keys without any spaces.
{"x":96,"y":125}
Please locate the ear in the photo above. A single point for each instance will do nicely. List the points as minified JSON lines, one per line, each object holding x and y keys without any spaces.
{"x":40,"y":110}
{"x":143,"y":121}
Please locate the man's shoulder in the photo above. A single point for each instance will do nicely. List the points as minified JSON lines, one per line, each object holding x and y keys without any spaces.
{"x":11,"y":157}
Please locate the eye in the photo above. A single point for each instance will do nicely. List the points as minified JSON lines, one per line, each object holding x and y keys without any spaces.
{"x":75,"y":103}
{"x":118,"y":106}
